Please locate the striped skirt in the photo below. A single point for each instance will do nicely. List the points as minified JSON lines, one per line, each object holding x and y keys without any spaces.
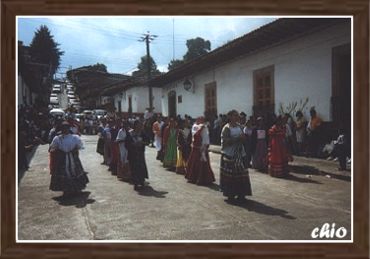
{"x":234,"y":181}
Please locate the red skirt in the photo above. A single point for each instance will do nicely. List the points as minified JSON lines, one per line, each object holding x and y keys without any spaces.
{"x":197,"y":171}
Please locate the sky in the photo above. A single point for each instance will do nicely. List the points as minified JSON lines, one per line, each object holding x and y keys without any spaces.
{"x":115,"y":40}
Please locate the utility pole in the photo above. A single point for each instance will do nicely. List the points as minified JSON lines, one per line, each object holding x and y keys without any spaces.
{"x":147,"y":38}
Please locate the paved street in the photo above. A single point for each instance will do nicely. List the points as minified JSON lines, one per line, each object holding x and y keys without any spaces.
{"x":172,"y":209}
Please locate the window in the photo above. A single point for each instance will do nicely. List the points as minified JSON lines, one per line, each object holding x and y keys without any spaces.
{"x":179,"y":99}
{"x":210,"y":99}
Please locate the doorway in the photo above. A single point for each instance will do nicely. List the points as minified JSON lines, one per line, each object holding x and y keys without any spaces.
{"x":172,"y":104}
{"x":341,"y":87}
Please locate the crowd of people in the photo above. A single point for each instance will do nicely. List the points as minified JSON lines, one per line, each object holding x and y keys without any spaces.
{"x":33,"y":128}
{"x":182,"y":146}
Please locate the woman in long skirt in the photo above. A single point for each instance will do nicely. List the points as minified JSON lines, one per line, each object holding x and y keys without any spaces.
{"x":279,"y":155}
{"x":156,"y":128}
{"x":115,"y":148}
{"x":123,"y":168}
{"x":136,"y":141}
{"x":100,"y":145}
{"x":67,"y":173}
{"x":234,"y":177}
{"x":169,"y":141}
{"x":198,"y":169}
{"x":259,"y":160}
{"x":183,"y":146}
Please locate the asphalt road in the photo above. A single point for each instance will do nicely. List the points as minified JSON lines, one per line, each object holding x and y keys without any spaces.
{"x":172,"y":209}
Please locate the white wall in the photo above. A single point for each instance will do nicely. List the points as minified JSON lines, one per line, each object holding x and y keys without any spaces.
{"x":140,"y":99}
{"x":24,"y":90}
{"x":302,"y":69}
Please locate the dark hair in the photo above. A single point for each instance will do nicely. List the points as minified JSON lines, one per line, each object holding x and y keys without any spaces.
{"x":232,"y":112}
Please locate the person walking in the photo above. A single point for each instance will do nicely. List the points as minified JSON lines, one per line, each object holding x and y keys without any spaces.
{"x":136,"y":142}
{"x":279,"y":155}
{"x":198,"y":169}
{"x":183,"y":142}
{"x":156,"y":128}
{"x":123,"y":167}
{"x":259,"y":160}
{"x":234,"y":176}
{"x":300,"y":132}
{"x":67,"y":173}
{"x":313,"y":133}
{"x":169,"y":142}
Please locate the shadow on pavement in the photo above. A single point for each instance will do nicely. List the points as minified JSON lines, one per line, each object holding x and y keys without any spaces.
{"x":149,"y":191}
{"x":29,"y":155}
{"x":261,"y":208}
{"x":80,"y":200}
{"x":305,"y":169}
{"x":214,"y":187}
{"x":291,"y":177}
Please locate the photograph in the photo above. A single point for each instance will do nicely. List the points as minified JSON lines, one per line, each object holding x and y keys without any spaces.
{"x":184,"y":128}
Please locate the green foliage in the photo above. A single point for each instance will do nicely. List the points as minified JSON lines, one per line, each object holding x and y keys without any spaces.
{"x":175,"y":63}
{"x":293,"y":107}
{"x":43,"y":49}
{"x":99,"y":67}
{"x":196,"y":48}
{"x":143,"y":68}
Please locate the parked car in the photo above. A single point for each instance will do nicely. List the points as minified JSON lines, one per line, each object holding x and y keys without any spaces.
{"x":57,"y":112}
{"x":100,"y":113}
{"x":54,"y":100}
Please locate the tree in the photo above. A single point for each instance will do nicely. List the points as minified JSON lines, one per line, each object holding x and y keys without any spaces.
{"x":175,"y":63}
{"x":143,"y":68}
{"x":196,"y":48}
{"x":43,"y":49}
{"x":98,"y":67}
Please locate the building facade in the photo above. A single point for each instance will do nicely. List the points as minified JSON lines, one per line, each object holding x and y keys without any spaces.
{"x":136,"y":99}
{"x":287,"y":65}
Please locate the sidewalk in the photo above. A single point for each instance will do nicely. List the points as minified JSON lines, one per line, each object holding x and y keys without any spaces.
{"x":309,"y":166}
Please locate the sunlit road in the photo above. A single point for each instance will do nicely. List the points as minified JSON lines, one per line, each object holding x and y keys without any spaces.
{"x":172,"y":209}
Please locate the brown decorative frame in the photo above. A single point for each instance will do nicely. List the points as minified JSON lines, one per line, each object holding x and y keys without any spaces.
{"x":360,"y":11}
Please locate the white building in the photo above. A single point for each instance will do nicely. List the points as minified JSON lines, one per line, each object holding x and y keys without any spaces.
{"x":133,"y":96}
{"x":276,"y":65}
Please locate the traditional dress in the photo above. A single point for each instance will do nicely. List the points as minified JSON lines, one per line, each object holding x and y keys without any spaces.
{"x":157,"y":136}
{"x":259,"y":160}
{"x":199,"y":170}
{"x":123,"y":170}
{"x":67,"y":173}
{"x":301,"y":129}
{"x":183,"y":149}
{"x":170,"y":152}
{"x":136,"y":142}
{"x":248,"y":145}
{"x":115,"y":151}
{"x":107,"y":146}
{"x":100,"y":145}
{"x":278,"y":152}
{"x":313,"y":135}
{"x":234,"y":176}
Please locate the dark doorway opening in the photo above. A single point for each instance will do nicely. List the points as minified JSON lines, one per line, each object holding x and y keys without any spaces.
{"x":341,"y":87}
{"x":172,"y":104}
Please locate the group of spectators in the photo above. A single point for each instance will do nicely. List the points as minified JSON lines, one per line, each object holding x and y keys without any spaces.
{"x":303,"y":137}
{"x":33,"y":128}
